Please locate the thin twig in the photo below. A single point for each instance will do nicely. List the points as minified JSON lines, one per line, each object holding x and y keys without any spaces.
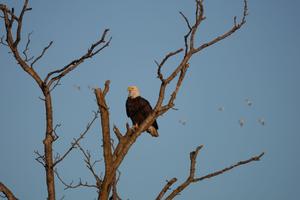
{"x":42,"y":54}
{"x":54,"y":131}
{"x":191,"y":178}
{"x":76,"y":141}
{"x":40,"y":158}
{"x":186,"y":20}
{"x":159,"y":74}
{"x":255,"y":158}
{"x":187,"y":34}
{"x":27,"y":48}
{"x":90,"y":165}
{"x":57,"y":83}
{"x":71,"y":184}
{"x":2,"y":41}
{"x":236,"y":26}
{"x":170,"y":104}
{"x":73,"y":64}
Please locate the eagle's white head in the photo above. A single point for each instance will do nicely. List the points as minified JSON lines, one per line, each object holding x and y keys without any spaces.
{"x":133,"y":92}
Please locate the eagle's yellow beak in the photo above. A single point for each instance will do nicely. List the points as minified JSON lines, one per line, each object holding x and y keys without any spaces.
{"x":129,"y":88}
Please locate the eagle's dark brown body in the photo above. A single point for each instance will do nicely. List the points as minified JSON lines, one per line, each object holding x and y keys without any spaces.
{"x":138,"y":109}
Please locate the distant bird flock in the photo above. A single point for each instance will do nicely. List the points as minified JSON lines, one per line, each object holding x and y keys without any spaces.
{"x":242,"y":121}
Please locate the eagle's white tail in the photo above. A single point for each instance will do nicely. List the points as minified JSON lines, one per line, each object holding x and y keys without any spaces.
{"x":152,"y":131}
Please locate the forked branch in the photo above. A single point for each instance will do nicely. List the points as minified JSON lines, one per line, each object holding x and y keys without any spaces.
{"x":9,"y":19}
{"x":71,"y":185}
{"x":75,"y":142}
{"x":93,"y":50}
{"x":90,"y":165}
{"x":42,"y":54}
{"x":236,"y":26}
{"x":192,"y":179}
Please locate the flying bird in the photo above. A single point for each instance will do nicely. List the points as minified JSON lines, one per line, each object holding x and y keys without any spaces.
{"x":261,"y":121}
{"x":77,"y":87}
{"x":182,"y":121}
{"x":248,"y":102}
{"x":241,"y":122}
{"x":138,"y":109}
{"x":221,"y":109}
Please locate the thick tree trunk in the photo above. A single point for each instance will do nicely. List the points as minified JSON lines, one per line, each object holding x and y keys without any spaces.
{"x":48,"y":146}
{"x":107,"y":151}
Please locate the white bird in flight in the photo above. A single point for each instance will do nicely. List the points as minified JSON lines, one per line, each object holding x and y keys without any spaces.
{"x":221,"y":109}
{"x":261,"y":121}
{"x":248,"y":102}
{"x":241,"y":122}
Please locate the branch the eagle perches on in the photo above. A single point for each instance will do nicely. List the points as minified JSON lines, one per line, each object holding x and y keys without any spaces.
{"x":114,"y":159}
{"x":113,"y":154}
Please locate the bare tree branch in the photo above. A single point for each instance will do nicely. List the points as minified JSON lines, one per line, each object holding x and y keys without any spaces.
{"x":57,"y":83}
{"x":107,"y":151}
{"x":236,"y":26}
{"x":186,"y":20}
{"x":115,"y":195}
{"x":71,"y":185}
{"x":56,"y":136}
{"x":40,"y":158}
{"x":90,"y":165}
{"x":199,"y":18}
{"x":2,"y":41}
{"x":72,"y":65}
{"x":191,"y":178}
{"x":27,"y":48}
{"x":170,"y":104}
{"x":255,"y":158}
{"x":166,"y":188}
{"x":20,"y":21}
{"x":7,"y":192}
{"x":188,"y":33}
{"x":12,"y":44}
{"x":75,"y":143}
{"x":42,"y":54}
{"x":117,"y":132}
{"x":159,"y":74}
{"x":106,"y":87}
{"x":180,"y":70}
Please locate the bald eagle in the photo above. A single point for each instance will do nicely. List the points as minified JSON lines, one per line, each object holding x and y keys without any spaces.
{"x":138,"y":109}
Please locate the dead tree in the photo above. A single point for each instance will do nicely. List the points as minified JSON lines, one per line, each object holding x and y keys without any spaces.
{"x":13,"y":31}
{"x":113,"y":154}
{"x":163,"y":104}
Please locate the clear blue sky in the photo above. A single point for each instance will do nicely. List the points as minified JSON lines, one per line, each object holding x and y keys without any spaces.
{"x":260,"y":62}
